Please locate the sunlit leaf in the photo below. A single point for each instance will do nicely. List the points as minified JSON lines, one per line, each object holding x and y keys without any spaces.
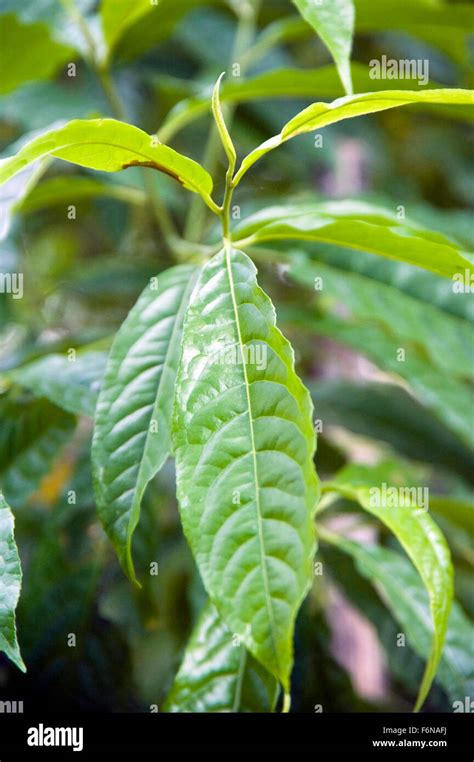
{"x":425,"y":545}
{"x":110,"y":146}
{"x":244,"y":443}
{"x":323,"y":114}
{"x":222,"y":127}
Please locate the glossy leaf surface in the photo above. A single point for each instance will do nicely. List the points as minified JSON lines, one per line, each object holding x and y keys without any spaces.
{"x":244,"y":445}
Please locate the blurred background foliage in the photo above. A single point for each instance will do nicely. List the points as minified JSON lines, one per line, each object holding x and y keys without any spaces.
{"x":82,"y":275}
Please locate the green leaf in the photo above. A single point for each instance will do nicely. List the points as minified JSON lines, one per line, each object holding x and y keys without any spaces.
{"x":444,"y":25}
{"x":10,"y":586}
{"x":363,"y":228}
{"x":132,"y":421}
{"x":400,"y":587}
{"x":323,"y":82}
{"x":133,"y":26}
{"x":109,"y":145}
{"x":387,"y":413}
{"x":334,"y":23}
{"x":425,"y":545}
{"x":118,"y":15}
{"x":446,"y":341}
{"x":42,"y":105}
{"x":323,"y":114}
{"x":422,"y":285}
{"x":72,"y":384}
{"x":32,"y":432}
{"x":55,"y":190}
{"x":380,"y":334}
{"x":218,"y":674}
{"x":153,"y":28}
{"x":448,"y":397}
{"x":222,"y":127}
{"x":40,"y":55}
{"x":459,"y":511}
{"x":244,"y":444}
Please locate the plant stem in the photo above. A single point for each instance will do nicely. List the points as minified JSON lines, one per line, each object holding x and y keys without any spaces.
{"x":225,"y":214}
{"x":110,"y":90}
{"x":243,"y":39}
{"x":112,"y":95}
{"x":71,"y":8}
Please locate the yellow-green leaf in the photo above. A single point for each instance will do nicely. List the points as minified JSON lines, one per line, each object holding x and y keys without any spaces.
{"x":322,"y":114}
{"x":221,"y":125}
{"x":424,"y":544}
{"x":110,"y":146}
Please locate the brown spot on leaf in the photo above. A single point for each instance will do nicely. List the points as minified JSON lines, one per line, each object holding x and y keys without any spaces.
{"x":153,"y":165}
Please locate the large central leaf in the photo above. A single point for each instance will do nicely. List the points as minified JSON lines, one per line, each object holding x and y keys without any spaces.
{"x":244,"y":446}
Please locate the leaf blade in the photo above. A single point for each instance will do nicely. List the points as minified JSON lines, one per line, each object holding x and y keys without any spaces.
{"x":10,"y":585}
{"x":41,"y":57}
{"x":252,"y":419}
{"x":31,"y":435}
{"x":334,"y":23}
{"x":132,"y":420}
{"x":73,"y":386}
{"x":217,"y":675}
{"x":426,"y":547}
{"x":323,"y":114}
{"x":361,"y":231}
{"x":110,"y":146}
{"x":400,"y":588}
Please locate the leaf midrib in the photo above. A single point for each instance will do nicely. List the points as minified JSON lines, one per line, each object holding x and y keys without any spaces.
{"x":268,"y":601}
